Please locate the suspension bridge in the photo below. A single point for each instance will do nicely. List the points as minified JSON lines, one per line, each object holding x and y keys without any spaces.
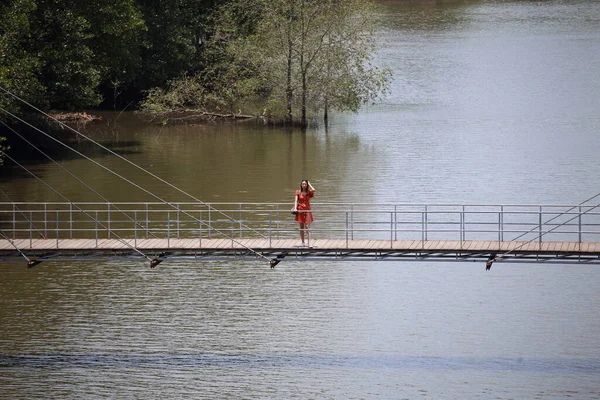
{"x":196,"y":230}
{"x":157,"y":231}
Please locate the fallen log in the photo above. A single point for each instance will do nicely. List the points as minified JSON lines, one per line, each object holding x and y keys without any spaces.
{"x":79,"y":117}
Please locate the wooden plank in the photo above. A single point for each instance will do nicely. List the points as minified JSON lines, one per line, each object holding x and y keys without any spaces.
{"x":84,"y":244}
{"x":372,"y":244}
{"x":338,"y":244}
{"x":290,"y":244}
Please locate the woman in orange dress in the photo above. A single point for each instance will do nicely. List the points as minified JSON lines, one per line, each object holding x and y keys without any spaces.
{"x":302,"y":208}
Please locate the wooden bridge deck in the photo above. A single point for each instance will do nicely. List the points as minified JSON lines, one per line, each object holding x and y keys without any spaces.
{"x":561,"y":233}
{"x":293,"y":245}
{"x":50,"y":249}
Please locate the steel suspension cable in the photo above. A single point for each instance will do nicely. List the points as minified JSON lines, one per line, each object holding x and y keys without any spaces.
{"x":138,"y":186}
{"x":75,"y":177}
{"x":122,"y":158}
{"x":29,"y":262}
{"x":556,"y":216}
{"x":493,"y":257}
{"x":152,"y":261}
{"x":23,"y":214}
{"x":556,"y":227}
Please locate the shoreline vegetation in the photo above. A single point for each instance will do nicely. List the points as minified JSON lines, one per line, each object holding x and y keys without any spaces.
{"x":294,"y":60}
{"x":192,"y":116}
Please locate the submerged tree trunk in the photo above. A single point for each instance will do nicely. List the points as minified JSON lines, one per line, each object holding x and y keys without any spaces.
{"x":289,"y":92}
{"x":303,"y":122}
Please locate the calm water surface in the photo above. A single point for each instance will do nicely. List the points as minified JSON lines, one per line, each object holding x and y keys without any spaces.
{"x":492,"y":102}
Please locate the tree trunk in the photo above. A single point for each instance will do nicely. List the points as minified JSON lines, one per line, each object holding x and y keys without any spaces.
{"x":289,"y":92}
{"x":303,"y":122}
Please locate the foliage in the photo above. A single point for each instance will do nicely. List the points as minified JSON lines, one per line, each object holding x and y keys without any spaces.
{"x":60,"y":52}
{"x":172,"y":39}
{"x":20,"y":69}
{"x":3,"y":148}
{"x":290,"y":56}
{"x":74,"y":54}
{"x":294,"y":55}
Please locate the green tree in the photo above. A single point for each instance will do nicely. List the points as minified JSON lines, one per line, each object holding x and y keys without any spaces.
{"x":346,"y":77}
{"x":63,"y":42}
{"x":173,"y":39}
{"x":20,"y":69}
{"x":117,"y":29}
{"x":62,"y":53}
{"x":309,"y":54}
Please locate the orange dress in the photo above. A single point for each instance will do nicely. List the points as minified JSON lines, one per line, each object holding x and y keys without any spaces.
{"x":304,"y":205}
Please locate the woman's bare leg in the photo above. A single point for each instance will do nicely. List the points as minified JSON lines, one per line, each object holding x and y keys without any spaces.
{"x":302,"y":227}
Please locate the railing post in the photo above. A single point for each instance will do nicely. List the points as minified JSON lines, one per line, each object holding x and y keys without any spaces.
{"x":147,"y":222}
{"x":70,"y":220}
{"x":241,"y":235}
{"x":424,"y":225}
{"x":209,"y":222}
{"x":134,"y":228}
{"x":168,"y":229}
{"x":540,"y":228}
{"x":232,"y":230}
{"x":57,"y":232}
{"x":178,"y":218}
{"x":395,"y":222}
{"x":501,"y":224}
{"x":347,"y":232}
{"x":462,"y":226}
{"x":45,"y":220}
{"x":30,"y":229}
{"x":108,"y":220}
{"x":580,"y":235}
{"x":200,"y":230}
{"x":14,"y":221}
{"x":391,"y":230}
{"x":277,"y":218}
{"x":270,"y":227}
{"x":96,"y":230}
{"x":351,"y":221}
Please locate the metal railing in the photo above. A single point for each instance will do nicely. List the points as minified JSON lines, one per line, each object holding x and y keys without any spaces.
{"x":349,"y":221}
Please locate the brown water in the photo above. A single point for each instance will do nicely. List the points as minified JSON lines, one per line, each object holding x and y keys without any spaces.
{"x":493,"y":102}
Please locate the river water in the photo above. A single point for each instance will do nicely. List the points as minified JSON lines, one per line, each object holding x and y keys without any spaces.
{"x":493,"y":102}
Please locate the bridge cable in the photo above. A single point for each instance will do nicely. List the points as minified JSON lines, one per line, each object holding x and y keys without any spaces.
{"x":23,"y":214}
{"x":30,"y":262}
{"x":493,"y":257}
{"x":153,"y":262}
{"x":139,"y":187}
{"x":78,"y":179}
{"x":122,"y":158}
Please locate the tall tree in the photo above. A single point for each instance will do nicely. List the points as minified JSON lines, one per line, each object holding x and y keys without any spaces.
{"x":65,"y":50}
{"x":308,"y":54}
{"x":20,"y":68}
{"x":347,"y":77}
{"x":117,"y":29}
